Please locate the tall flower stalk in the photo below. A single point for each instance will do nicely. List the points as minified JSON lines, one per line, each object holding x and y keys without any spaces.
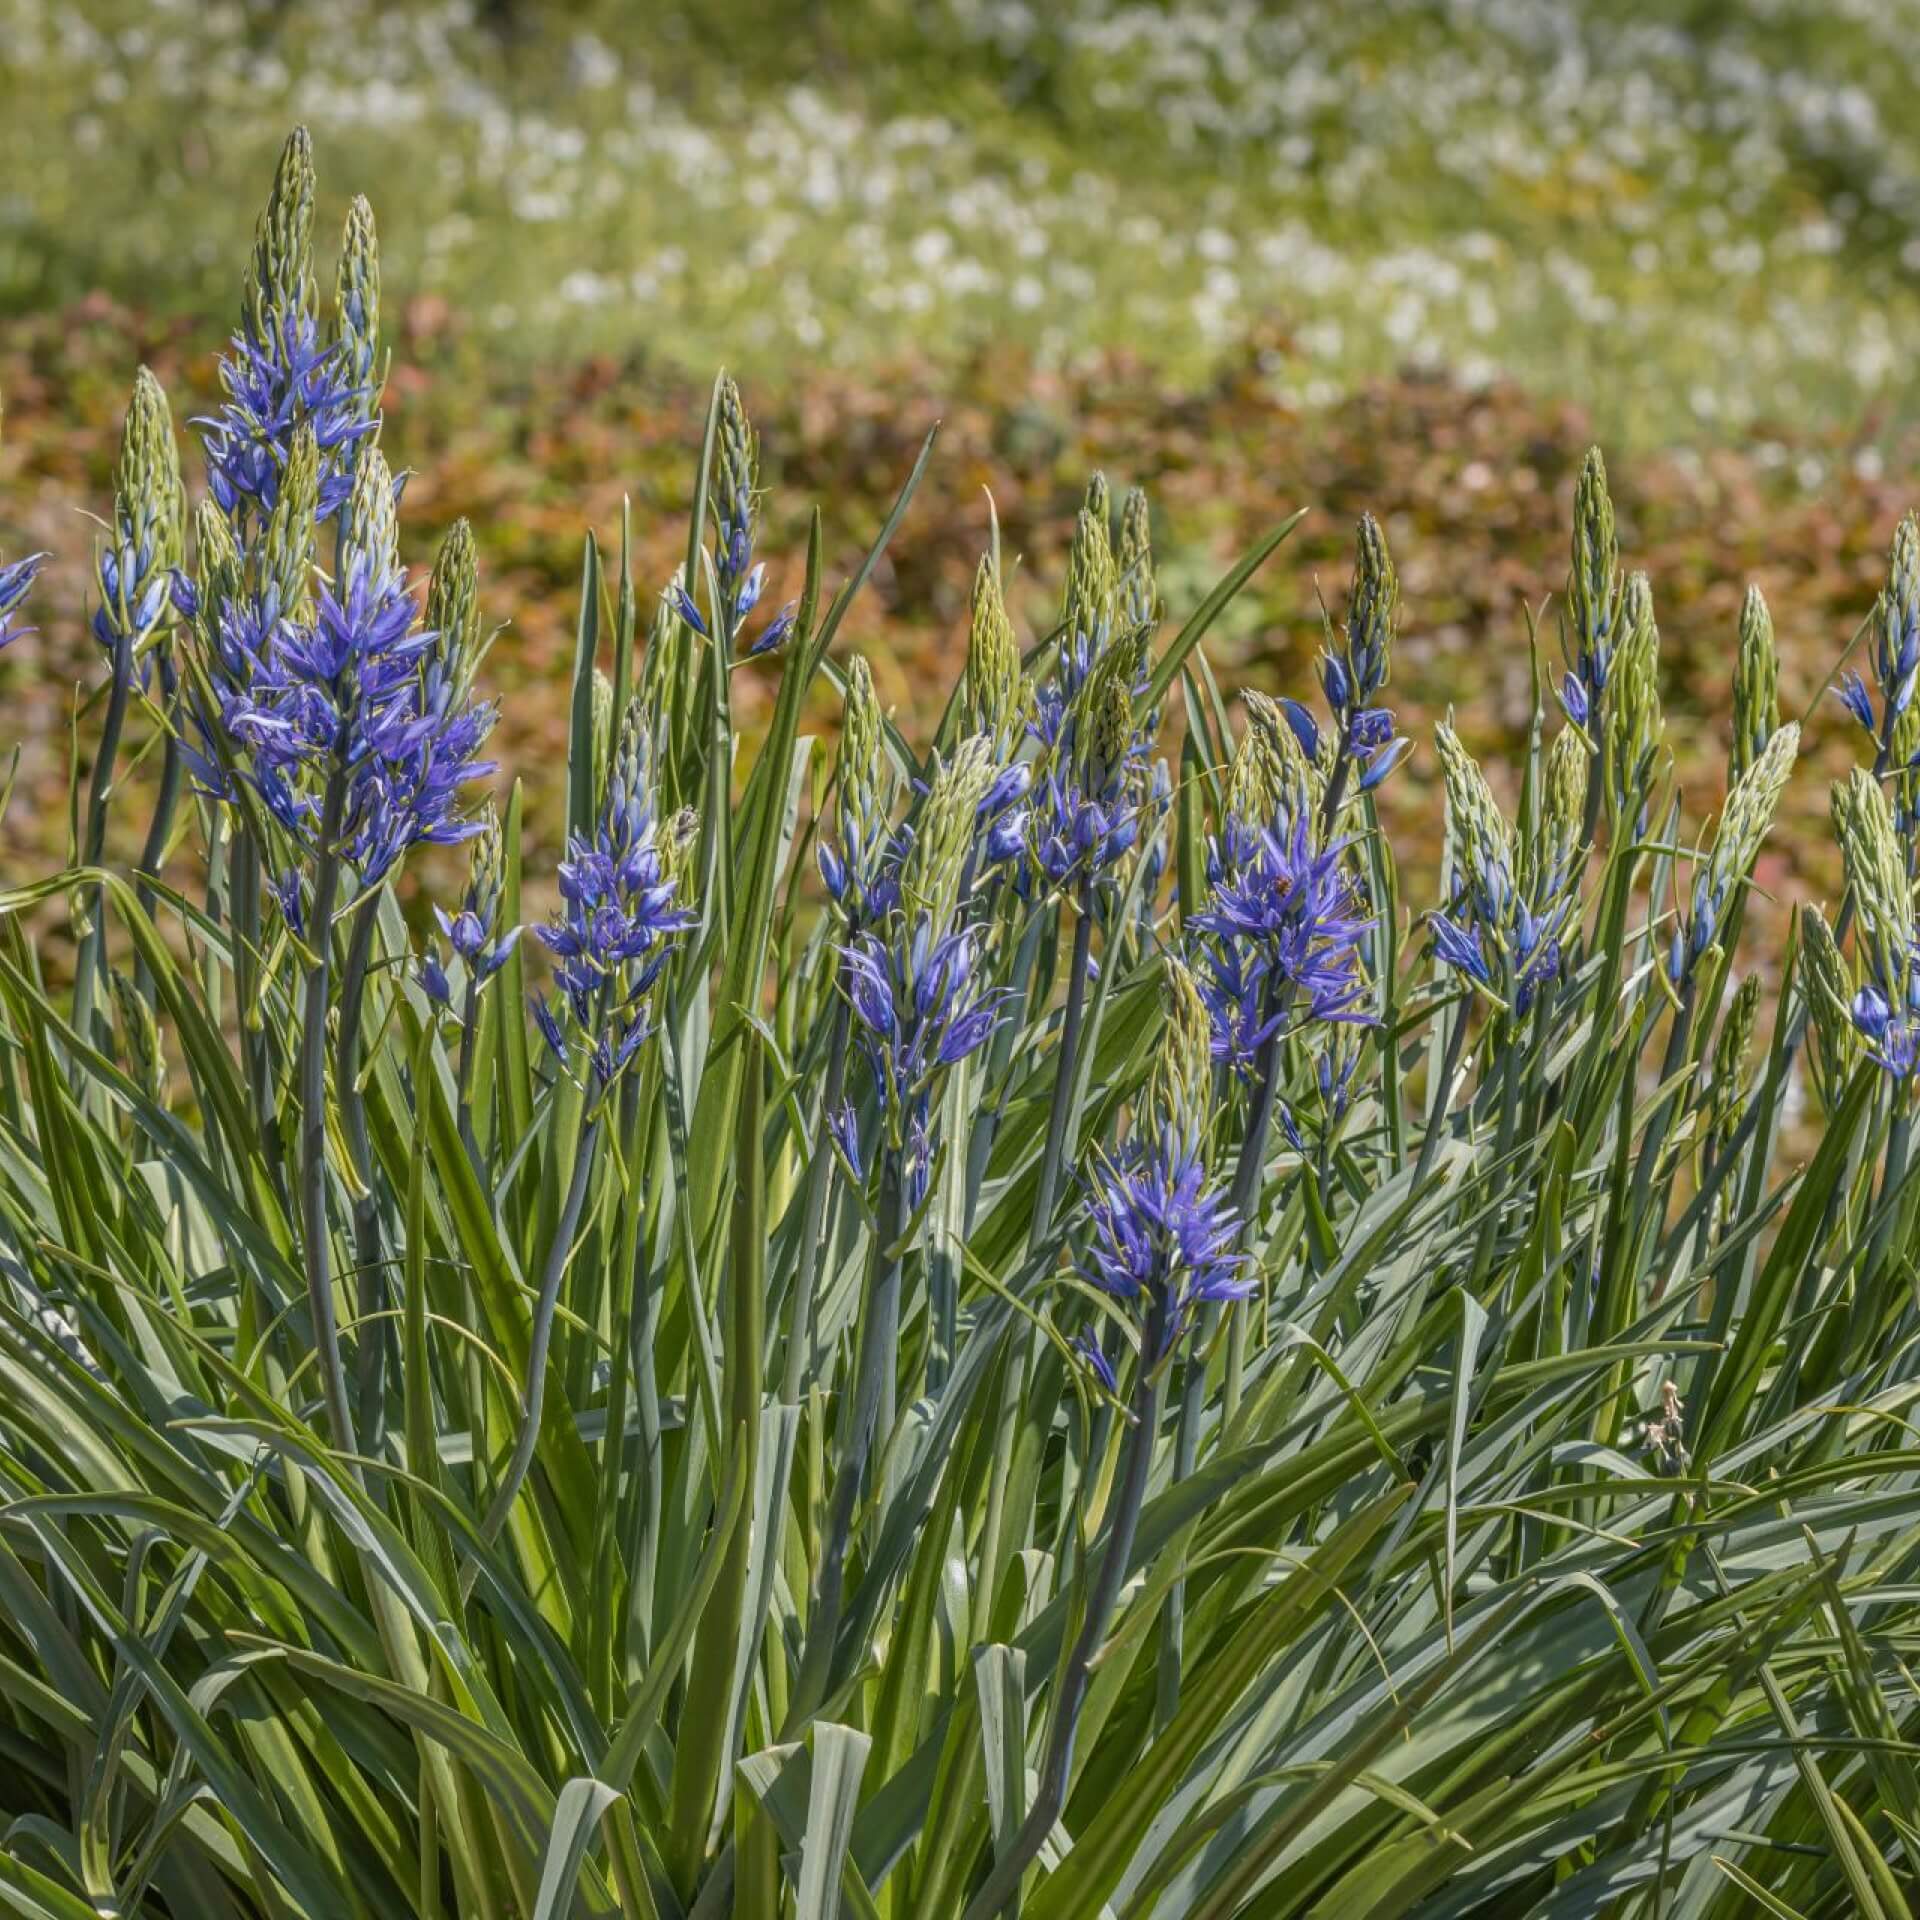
{"x":134,"y":570}
{"x":1355,"y":662}
{"x":1590,"y":631}
{"x":920,"y":1010}
{"x":1162,"y":1246}
{"x":611,"y":939}
{"x":1277,"y":945}
{"x":1090,"y":787}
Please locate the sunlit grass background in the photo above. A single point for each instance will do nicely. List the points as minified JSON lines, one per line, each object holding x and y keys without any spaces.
{"x":1403,"y":255}
{"x":1691,"y":215}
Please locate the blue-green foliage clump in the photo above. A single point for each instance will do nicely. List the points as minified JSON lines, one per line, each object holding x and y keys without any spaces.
{"x":949,"y":1327}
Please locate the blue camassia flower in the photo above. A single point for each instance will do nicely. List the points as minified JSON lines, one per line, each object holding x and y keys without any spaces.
{"x":472,"y":939}
{"x":1162,"y":1233}
{"x":864,"y":881}
{"x":1853,"y":695}
{"x":1078,"y":652}
{"x":274,"y":382}
{"x":16,"y":582}
{"x":1082,"y":821}
{"x":1089,"y":1348}
{"x":771,"y":637}
{"x":919,"y":1008}
{"x":614,"y":931}
{"x":1080,"y":835}
{"x":134,"y":593}
{"x":1354,"y":666}
{"x":472,"y":933}
{"x":1506,"y":945}
{"x":1286,"y":926}
{"x":1584,"y":685}
{"x":362,"y":688}
{"x":861,"y":866}
{"x":1233,"y":982}
{"x":1518,"y":956}
{"x":1893,"y":657}
{"x":1365,"y":734}
{"x":1893,"y":1039}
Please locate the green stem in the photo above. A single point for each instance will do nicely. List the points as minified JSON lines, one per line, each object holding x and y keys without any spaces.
{"x":1003,"y":1883}
{"x":545,"y":1309}
{"x":469,"y":1048}
{"x":1899,"y":1138}
{"x":370,"y":1281}
{"x":879,"y":1335}
{"x":1020,"y":1374}
{"x":820,"y":1172}
{"x":1678,"y":1041}
{"x":166,"y":804}
{"x":1186,"y":1445}
{"x":313,"y":1122}
{"x":1060,"y":1113}
{"x":1439,"y":1094}
{"x":1509,"y":1048}
{"x":93,"y":952}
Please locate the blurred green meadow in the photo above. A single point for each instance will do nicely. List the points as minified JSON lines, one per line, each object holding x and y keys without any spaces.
{"x":1407,"y":256}
{"x":1692,"y":216}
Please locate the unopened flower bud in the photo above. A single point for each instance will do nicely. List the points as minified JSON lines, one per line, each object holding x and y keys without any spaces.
{"x":1175,"y":1103}
{"x":356,"y":315}
{"x":1086,"y":613}
{"x":1877,"y":873}
{"x":736,"y":511}
{"x":1634,"y":722}
{"x":1730,"y":1053}
{"x":286,"y":550}
{"x":453,"y":596}
{"x":140,"y":1035}
{"x":1373,"y":605}
{"x":1133,"y":561}
{"x":1483,"y":846}
{"x":373,"y":523}
{"x":996,"y":691}
{"x":279,"y":289}
{"x":936,"y":863}
{"x":1756,"y":683}
{"x":1564,"y":809}
{"x":1593,"y":579}
{"x":1828,"y":986}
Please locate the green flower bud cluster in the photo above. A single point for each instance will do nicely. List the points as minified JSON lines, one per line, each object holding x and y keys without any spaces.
{"x":140,"y":1034}
{"x":1756,"y":683}
{"x":1593,"y":579}
{"x":862,"y":764}
{"x":936,"y":864}
{"x":150,"y":502}
{"x":1563,"y":810}
{"x":279,"y":285}
{"x":1086,"y":610}
{"x":373,"y":523}
{"x":1483,"y":842}
{"x":453,"y":610}
{"x":1876,"y":871}
{"x":286,"y":553}
{"x":1743,"y":826}
{"x":1179,"y":1088}
{"x":1732,"y":1048}
{"x":356,"y":308}
{"x":1827,"y":983}
{"x":996,"y":694}
{"x":1634,"y":724}
{"x":1270,"y":775}
{"x":1133,"y":561}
